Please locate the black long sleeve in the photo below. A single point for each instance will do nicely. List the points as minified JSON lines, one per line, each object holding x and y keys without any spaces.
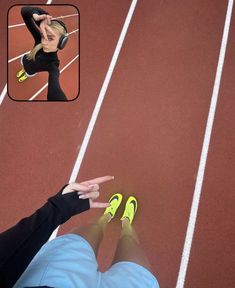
{"x":54,"y":93}
{"x":32,"y":25}
{"x":19,"y":244}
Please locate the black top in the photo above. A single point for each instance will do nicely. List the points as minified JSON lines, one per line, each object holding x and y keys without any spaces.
{"x":43,"y":61}
{"x":19,"y":244}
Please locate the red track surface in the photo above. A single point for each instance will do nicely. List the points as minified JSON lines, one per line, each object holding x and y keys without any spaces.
{"x":149,"y":134}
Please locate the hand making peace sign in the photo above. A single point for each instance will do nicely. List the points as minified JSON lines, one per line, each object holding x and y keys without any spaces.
{"x":44,"y":24}
{"x":89,"y":190}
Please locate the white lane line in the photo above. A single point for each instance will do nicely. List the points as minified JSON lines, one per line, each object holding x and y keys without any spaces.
{"x":102,"y":93}
{"x":99,"y":101}
{"x":4,"y":91}
{"x":54,"y":18}
{"x":16,"y":25}
{"x":3,"y":94}
{"x":74,"y":31}
{"x":204,"y":153}
{"x":44,"y":86}
{"x":17,"y":57}
{"x":65,"y":16}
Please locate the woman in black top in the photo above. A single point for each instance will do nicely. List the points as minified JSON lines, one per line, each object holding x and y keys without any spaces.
{"x":20,"y":243}
{"x":49,"y":36}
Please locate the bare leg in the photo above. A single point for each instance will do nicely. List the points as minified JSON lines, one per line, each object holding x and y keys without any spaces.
{"x":128,"y":247}
{"x":94,"y":232}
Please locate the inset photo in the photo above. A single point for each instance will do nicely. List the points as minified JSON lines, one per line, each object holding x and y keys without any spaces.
{"x":43,"y":53}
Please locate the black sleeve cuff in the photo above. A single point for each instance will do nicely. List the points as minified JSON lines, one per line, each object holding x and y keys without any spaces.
{"x":69,"y":204}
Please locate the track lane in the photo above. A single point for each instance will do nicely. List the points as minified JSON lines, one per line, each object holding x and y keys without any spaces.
{"x":153,"y":136}
{"x":212,"y":257}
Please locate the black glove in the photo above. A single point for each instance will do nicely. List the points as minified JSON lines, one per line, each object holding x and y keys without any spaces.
{"x":69,"y":204}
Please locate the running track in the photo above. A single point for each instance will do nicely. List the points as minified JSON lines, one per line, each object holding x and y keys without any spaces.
{"x":149,"y":133}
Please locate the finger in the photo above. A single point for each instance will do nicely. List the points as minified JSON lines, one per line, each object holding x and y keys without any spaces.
{"x":98,"y":180}
{"x":42,"y":27}
{"x":75,"y":187}
{"x":35,"y":16}
{"x":94,"y":187}
{"x":79,"y":187}
{"x":91,"y":195}
{"x":99,"y":205}
{"x":48,"y":28}
{"x":40,"y":17}
{"x":49,"y":19}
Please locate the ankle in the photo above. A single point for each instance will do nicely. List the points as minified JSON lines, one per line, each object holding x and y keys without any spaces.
{"x":125,"y":222}
{"x":104,"y":219}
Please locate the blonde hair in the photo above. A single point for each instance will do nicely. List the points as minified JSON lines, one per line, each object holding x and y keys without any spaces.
{"x":55,"y":26}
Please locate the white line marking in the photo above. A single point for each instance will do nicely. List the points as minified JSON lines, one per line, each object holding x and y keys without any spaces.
{"x":3,"y":94}
{"x":65,"y":16}
{"x":4,"y":91}
{"x":43,"y":87}
{"x":102,"y":93}
{"x":16,"y":25}
{"x":74,"y":31}
{"x":54,"y":18}
{"x":99,"y":101}
{"x":204,"y":153}
{"x":17,"y":57}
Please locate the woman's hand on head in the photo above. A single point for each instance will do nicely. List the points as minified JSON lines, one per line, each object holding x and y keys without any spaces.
{"x":89,"y":190}
{"x":45,"y":21}
{"x":46,"y":17}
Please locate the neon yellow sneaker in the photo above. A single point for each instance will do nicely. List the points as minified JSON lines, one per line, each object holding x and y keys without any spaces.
{"x":23,"y":78}
{"x":20,"y":73}
{"x":130,"y":209}
{"x":115,"y":202}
